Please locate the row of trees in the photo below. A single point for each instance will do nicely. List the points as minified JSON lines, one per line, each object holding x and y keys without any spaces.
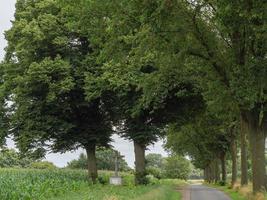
{"x":67,"y":82}
{"x":76,"y":72}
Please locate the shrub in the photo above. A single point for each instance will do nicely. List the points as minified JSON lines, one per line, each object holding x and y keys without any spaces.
{"x":43,"y":165}
{"x":177,"y":167}
{"x":156,"y":172}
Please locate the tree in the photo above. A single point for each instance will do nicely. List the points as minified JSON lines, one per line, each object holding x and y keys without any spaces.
{"x":80,"y":163}
{"x":154,"y":160}
{"x":10,"y":158}
{"x":45,"y":65}
{"x":177,"y":167}
{"x":244,"y":154}
{"x":154,"y":165}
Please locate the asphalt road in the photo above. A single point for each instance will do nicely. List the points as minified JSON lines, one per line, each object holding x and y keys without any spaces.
{"x":200,"y":192}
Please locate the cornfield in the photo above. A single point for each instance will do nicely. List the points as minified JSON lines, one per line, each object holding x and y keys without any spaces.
{"x":27,"y":184}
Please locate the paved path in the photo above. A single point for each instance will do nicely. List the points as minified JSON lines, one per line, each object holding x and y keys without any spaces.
{"x":200,"y":192}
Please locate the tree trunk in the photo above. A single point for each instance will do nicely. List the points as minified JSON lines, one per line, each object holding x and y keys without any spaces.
{"x":209,"y":177}
{"x":217,"y":171}
{"x":91,"y":159}
{"x":206,"y":176}
{"x":244,"y":157}
{"x":212,"y":171}
{"x":223,"y":163}
{"x":257,"y":146}
{"x":140,"y":172}
{"x":234,"y":162}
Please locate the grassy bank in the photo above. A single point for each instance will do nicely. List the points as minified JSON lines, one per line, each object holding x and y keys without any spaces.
{"x":241,"y":193}
{"x":162,"y":190}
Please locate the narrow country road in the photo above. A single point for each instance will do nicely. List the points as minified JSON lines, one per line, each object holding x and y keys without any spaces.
{"x":201,"y":192}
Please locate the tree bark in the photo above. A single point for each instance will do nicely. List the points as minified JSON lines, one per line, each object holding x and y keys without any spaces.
{"x":257,"y":146}
{"x":244,"y":157}
{"x":205,"y":174}
{"x":223,"y":163}
{"x":209,"y":177}
{"x":213,"y":171}
{"x":91,"y":159}
{"x":140,"y":172}
{"x":234,"y":162}
{"x":217,"y":171}
{"x":206,"y":177}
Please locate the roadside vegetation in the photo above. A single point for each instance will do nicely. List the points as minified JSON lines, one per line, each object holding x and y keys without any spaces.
{"x":29,"y":184}
{"x":159,"y":190}
{"x":237,"y":192}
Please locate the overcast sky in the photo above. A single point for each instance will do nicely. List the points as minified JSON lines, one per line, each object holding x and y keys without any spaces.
{"x":7,"y":9}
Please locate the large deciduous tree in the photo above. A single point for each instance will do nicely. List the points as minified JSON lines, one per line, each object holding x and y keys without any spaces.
{"x":46,"y":61}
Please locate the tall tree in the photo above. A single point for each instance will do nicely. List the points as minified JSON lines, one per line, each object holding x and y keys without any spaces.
{"x":47,"y":58}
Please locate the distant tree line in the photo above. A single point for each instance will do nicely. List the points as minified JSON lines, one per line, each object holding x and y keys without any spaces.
{"x":105,"y":161}
{"x":10,"y":158}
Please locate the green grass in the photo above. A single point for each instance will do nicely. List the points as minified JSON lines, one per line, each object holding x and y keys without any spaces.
{"x":161,"y":193}
{"x":106,"y":192}
{"x":162,"y":190}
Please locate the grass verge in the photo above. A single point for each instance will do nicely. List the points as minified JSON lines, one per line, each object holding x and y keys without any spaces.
{"x":240,"y":193}
{"x":163,"y":190}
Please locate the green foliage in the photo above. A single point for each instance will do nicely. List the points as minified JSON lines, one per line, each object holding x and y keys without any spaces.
{"x":203,"y":141}
{"x":105,"y":161}
{"x":10,"y":158}
{"x":195,"y":173}
{"x":80,"y":163}
{"x":154,"y":165}
{"x":43,"y":165}
{"x":177,"y":167}
{"x":45,"y":66}
{"x":155,"y":172}
{"x":154,"y":160}
{"x":142,"y":178}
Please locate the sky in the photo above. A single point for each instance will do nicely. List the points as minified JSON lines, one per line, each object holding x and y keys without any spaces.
{"x":125,"y":147}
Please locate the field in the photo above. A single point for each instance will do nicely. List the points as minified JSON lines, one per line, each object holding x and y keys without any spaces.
{"x":27,"y":184}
